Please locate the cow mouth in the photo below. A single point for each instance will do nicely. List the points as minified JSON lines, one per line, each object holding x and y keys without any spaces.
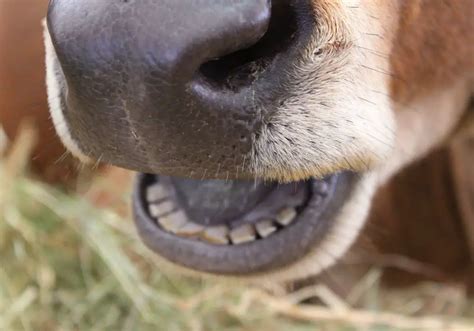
{"x":236,"y":227}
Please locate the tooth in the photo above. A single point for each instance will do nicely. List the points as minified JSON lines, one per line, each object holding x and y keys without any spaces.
{"x":286,"y":216}
{"x":159,"y":209}
{"x":190,"y":229}
{"x":155,"y":193}
{"x":173,"y":222}
{"x":216,"y":235}
{"x":265,"y":228}
{"x":243,"y":234}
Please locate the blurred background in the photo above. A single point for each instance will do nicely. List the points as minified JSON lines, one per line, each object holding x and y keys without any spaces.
{"x":70,"y":258}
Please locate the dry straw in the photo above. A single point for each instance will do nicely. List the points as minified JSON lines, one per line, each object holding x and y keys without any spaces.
{"x":67,"y":265}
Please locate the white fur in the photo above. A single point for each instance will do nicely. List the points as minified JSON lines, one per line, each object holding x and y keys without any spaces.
{"x":56,"y":112}
{"x":338,"y":114}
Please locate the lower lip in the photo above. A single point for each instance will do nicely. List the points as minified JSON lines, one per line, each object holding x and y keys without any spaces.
{"x":279,"y":250}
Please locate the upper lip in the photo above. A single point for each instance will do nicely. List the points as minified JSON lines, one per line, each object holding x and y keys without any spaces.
{"x":202,"y":123}
{"x":247,"y":257}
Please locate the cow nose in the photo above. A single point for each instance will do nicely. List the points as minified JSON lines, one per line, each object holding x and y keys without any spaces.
{"x":174,"y":37}
{"x":164,"y":86}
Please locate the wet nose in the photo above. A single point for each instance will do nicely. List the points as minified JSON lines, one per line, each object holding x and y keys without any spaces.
{"x":166,"y":36}
{"x":145,"y":86}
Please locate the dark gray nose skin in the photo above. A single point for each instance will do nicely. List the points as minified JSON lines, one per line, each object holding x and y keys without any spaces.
{"x":133,"y":90}
{"x":134,"y":94}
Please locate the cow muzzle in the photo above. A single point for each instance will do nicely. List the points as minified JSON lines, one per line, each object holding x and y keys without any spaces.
{"x":173,"y":87}
{"x":179,"y":91}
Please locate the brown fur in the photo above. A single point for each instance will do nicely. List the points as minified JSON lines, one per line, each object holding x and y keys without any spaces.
{"x":417,"y":215}
{"x":22,"y":84}
{"x":425,"y":212}
{"x":434,"y":46}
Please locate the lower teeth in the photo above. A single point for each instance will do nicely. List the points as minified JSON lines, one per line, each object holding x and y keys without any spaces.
{"x":243,"y":234}
{"x":216,"y":235}
{"x":265,"y":228}
{"x":174,"y":220}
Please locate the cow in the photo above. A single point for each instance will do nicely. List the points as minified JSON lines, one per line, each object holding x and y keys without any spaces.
{"x":271,"y":137}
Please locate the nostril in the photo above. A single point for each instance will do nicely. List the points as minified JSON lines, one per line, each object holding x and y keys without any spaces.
{"x":240,"y":69}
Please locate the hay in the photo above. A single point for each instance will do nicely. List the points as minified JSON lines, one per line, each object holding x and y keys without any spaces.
{"x":67,"y":265}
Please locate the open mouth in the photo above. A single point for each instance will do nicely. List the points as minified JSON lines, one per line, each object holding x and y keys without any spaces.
{"x":236,"y":227}
{"x":202,"y":96}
